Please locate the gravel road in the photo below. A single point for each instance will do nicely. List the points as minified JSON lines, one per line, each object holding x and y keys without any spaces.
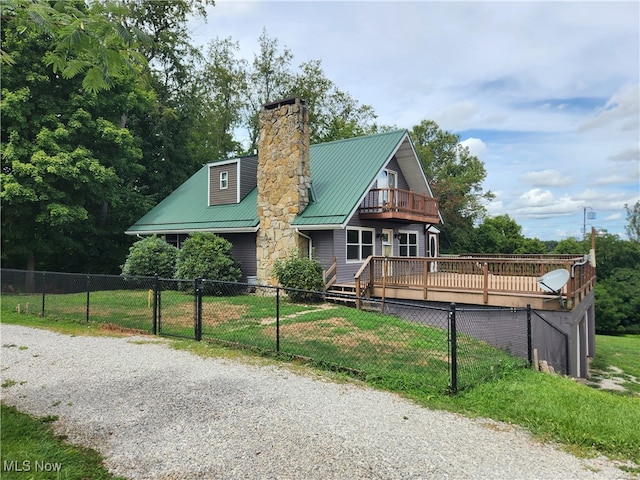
{"x":158,"y":413}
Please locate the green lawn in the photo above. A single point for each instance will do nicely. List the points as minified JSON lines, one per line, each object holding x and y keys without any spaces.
{"x":411,"y":360}
{"x":620,"y":352}
{"x":30,"y":450}
{"x":381,"y":348}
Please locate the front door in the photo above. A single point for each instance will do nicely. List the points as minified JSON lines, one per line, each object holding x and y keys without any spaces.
{"x":387,"y":242}
{"x":387,"y":245}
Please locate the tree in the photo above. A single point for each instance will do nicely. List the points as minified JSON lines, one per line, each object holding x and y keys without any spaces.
{"x":85,"y":39}
{"x":616,"y":293}
{"x":78,"y":166}
{"x":456,"y":179}
{"x":220,"y":88}
{"x":333,"y":113}
{"x":569,"y":245}
{"x":169,"y":129}
{"x":502,"y":234}
{"x":151,"y":256}
{"x":618,"y":302}
{"x":633,"y":218}
{"x":68,"y":169}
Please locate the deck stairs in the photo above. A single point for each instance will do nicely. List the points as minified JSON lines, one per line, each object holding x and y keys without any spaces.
{"x":345,"y":294}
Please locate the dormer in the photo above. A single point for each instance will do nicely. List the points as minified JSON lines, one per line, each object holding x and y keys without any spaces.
{"x":231,"y":180}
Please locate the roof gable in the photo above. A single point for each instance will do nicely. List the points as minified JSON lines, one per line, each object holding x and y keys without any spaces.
{"x":342,"y":172}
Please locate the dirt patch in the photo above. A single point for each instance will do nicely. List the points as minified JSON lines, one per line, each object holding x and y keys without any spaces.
{"x":213,"y":314}
{"x":321,"y":308}
{"x":325,"y":330}
{"x":218,"y":313}
{"x":111,"y":327}
{"x":611,"y":379}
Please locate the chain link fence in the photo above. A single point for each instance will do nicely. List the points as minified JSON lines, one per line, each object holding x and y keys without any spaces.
{"x":408,"y":346}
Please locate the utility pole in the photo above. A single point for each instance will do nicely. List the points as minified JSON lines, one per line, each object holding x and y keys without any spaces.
{"x":591,"y":216}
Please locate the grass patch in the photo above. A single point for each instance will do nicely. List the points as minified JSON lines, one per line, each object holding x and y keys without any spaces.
{"x":618,"y":357}
{"x":407,"y":358}
{"x":31,"y":450}
{"x":556,"y":408}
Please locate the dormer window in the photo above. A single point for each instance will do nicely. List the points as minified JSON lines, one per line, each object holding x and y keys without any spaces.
{"x":224,"y":180}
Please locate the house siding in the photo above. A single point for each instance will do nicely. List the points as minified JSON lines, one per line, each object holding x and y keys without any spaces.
{"x":323,"y":250}
{"x":229,"y":194}
{"x":244,"y":251}
{"x":346,"y":271}
{"x":248,"y":175}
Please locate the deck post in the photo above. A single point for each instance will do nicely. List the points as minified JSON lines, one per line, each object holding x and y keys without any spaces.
{"x":385,"y":269}
{"x":425,"y":273}
{"x":358,"y":293}
{"x":485,"y":289}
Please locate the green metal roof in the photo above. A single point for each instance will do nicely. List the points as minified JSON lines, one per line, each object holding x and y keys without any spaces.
{"x":341,"y":174}
{"x":187,"y":209}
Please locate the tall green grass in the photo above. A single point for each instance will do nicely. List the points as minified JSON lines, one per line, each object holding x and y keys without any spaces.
{"x":619,"y":351}
{"x":30,"y":450}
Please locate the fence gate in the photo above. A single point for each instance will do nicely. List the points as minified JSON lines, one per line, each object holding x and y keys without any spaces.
{"x":178,"y":307}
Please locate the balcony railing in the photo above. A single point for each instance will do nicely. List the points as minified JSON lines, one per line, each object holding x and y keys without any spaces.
{"x":399,"y":205}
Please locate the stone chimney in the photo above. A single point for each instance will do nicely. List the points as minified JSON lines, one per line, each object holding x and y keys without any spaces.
{"x":283,"y":182}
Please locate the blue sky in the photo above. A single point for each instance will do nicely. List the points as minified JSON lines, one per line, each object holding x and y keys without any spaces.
{"x":546,"y":94}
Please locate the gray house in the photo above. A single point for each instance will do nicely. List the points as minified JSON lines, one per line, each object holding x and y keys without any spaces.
{"x":339,"y":201}
{"x":364,"y":209}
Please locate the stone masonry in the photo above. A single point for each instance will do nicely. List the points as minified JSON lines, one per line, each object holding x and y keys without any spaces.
{"x":283,"y":182}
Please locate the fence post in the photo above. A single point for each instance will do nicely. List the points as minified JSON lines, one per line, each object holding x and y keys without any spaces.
{"x":44,"y":289}
{"x":529,"y":340}
{"x":277,"y":319}
{"x":198,"y":309}
{"x":88,"y":290}
{"x":155,"y":305}
{"x":454,"y":349}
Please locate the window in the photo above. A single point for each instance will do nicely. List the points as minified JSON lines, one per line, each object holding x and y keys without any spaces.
{"x":387,"y":179}
{"x":408,"y":244}
{"x":224,"y":180}
{"x":359,"y":243}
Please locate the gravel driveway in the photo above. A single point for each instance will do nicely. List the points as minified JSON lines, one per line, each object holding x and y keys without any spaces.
{"x":159,"y":413}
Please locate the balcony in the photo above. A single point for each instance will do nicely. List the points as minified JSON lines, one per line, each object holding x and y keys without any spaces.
{"x":396,"y":205}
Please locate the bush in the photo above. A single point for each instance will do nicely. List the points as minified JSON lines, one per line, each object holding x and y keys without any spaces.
{"x":151,"y":256}
{"x":205,"y":255}
{"x":300,"y":274}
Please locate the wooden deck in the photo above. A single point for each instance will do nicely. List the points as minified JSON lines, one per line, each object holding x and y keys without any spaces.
{"x":477,"y":280}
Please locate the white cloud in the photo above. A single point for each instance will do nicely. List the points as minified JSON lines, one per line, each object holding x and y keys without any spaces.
{"x":538,"y":203}
{"x":476,"y":146}
{"x":547,"y":178}
{"x":630,"y":155}
{"x":623,"y":108}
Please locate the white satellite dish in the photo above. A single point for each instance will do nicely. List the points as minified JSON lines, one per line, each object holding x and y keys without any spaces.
{"x":553,"y":281}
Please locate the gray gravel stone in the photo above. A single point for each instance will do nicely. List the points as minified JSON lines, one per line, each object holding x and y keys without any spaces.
{"x":158,"y":413}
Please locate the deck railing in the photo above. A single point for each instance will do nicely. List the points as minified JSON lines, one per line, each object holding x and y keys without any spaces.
{"x":481,"y":274}
{"x":382,"y":200}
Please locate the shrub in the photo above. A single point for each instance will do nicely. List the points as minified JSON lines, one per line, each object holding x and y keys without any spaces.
{"x":300,"y":274}
{"x":205,"y":255}
{"x":151,"y":256}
